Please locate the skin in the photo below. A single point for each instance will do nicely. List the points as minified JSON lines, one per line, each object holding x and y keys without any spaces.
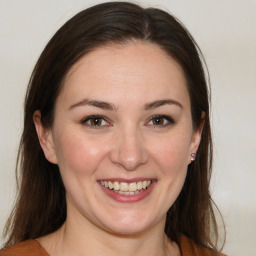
{"x":127,"y":144}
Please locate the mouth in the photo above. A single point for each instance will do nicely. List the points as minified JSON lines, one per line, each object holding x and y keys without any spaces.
{"x":126,"y":188}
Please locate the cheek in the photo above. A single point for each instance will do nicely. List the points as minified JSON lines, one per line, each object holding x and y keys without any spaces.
{"x":77,"y":154}
{"x":171,"y":153}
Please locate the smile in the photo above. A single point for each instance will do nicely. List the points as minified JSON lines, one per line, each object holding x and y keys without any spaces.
{"x":125,"y":188}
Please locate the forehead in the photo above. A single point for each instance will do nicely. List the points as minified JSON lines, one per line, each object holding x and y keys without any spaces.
{"x":135,"y":69}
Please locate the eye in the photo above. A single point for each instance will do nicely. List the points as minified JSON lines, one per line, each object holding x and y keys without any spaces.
{"x":160,"y":120}
{"x":95,"y":121}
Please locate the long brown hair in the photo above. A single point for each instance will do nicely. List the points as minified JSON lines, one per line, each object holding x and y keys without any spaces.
{"x":41,"y":205}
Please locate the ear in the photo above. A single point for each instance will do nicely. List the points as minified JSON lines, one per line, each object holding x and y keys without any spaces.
{"x":45,"y":138}
{"x":196,"y":138}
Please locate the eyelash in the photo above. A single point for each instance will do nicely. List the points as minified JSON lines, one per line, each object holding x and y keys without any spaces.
{"x":166,"y":119}
{"x":88,"y":119}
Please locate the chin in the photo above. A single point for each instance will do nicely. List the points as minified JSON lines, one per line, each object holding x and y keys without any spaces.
{"x":129,"y":224}
{"x":127,"y":230}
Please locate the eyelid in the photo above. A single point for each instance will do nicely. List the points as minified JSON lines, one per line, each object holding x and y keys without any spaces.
{"x":86,"y":119}
{"x":166,"y":117}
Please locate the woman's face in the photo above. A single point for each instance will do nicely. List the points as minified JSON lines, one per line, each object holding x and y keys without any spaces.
{"x":122,"y":137}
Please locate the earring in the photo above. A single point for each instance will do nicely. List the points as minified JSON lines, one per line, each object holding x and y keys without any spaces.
{"x":193,"y":157}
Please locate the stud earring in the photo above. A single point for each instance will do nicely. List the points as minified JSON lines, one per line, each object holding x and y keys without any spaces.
{"x":193,"y":157}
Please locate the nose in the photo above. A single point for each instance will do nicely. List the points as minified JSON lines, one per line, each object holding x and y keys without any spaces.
{"x":128,"y":149}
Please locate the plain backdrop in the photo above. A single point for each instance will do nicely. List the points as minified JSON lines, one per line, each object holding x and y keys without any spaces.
{"x":226,"y":32}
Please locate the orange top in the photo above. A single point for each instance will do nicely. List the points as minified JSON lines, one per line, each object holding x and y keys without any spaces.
{"x":25,"y":248}
{"x":33,"y":248}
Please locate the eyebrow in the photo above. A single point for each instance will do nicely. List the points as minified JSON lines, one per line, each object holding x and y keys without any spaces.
{"x":93,"y":103}
{"x":159,"y":103}
{"x":110,"y":106}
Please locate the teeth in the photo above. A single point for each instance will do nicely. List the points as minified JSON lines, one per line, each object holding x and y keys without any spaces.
{"x":132,"y":187}
{"x":116,"y":185}
{"x":126,"y":188}
{"x":139,"y":185}
{"x":110,"y":185}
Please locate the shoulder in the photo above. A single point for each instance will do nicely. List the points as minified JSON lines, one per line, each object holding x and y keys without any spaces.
{"x":25,"y":248}
{"x":189,"y":248}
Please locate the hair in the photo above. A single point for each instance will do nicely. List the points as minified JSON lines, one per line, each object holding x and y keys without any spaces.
{"x":40,"y":206}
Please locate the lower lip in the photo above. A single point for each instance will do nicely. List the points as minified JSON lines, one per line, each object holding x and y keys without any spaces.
{"x":128,"y":198}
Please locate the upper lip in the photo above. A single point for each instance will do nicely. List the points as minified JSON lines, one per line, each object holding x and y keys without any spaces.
{"x":126,"y":180}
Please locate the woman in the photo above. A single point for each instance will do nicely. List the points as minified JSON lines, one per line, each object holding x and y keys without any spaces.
{"x":116,"y":152}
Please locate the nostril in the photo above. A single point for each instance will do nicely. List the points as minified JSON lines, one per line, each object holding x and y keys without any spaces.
{"x":128,"y":150}
{"x":129,"y":161}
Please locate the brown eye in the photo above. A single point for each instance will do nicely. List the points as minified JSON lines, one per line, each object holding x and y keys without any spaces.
{"x":158,"y":120}
{"x":95,"y":121}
